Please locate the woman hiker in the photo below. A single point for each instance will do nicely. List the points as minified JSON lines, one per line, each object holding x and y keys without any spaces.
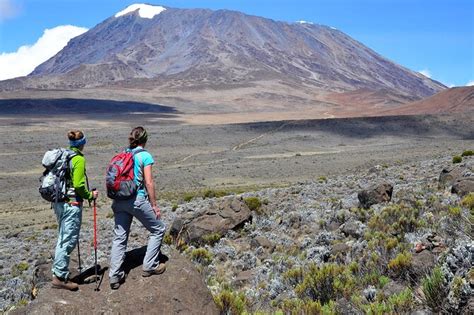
{"x":143,"y":207}
{"x":69,"y":212}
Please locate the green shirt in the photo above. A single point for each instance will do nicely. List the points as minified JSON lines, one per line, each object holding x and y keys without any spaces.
{"x":78,"y":176}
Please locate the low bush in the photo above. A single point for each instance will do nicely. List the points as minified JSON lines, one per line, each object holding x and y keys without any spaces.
{"x":201,"y":255}
{"x":167,"y":239}
{"x":230,"y":302}
{"x":253,"y":203}
{"x":401,"y":263}
{"x":434,"y":289}
{"x":457,"y":159}
{"x":298,"y":306}
{"x":211,"y":239}
{"x":468,"y":201}
{"x":468,"y":153}
{"x":325,"y":283}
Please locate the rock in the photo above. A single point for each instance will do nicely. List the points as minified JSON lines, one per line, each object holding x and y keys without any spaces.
{"x":353,"y":228}
{"x":370,"y":293}
{"x":422,"y":264}
{"x":263,"y":242}
{"x":463,"y":186}
{"x":340,"y":249}
{"x":376,"y":194}
{"x":244,"y":277}
{"x":449,"y":175}
{"x":392,"y":288}
{"x":220,"y":217}
{"x":179,"y":290}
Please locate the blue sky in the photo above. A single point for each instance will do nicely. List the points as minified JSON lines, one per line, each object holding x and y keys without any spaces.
{"x":430,"y":35}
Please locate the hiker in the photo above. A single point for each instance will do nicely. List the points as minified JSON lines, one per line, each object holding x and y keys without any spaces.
{"x":69,"y":212}
{"x":142,"y":206}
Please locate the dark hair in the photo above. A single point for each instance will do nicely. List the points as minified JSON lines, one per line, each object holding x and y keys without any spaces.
{"x":75,"y":135}
{"x":137,"y":136}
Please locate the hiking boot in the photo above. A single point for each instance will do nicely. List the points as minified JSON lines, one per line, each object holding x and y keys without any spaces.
{"x":157,"y":271}
{"x":60,"y":283}
{"x":116,"y":285}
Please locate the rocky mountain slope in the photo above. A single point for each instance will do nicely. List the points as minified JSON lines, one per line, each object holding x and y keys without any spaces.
{"x":457,"y":99}
{"x":183,"y":49}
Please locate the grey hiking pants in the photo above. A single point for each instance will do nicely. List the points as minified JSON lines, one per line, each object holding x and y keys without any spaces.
{"x":124,"y":211}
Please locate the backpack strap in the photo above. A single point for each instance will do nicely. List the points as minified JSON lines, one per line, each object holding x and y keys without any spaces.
{"x":140,"y":164}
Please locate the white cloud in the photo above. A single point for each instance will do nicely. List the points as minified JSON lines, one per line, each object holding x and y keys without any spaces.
{"x":426,"y":73}
{"x":27,"y":58}
{"x":470,"y":83}
{"x":8,"y":9}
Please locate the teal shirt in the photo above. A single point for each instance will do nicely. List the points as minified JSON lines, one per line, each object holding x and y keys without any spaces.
{"x":141,"y":160}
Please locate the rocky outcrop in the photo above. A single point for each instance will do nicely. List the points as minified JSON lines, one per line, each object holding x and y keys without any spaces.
{"x":220,"y":217}
{"x":180,"y":289}
{"x":459,"y":177}
{"x":375,"y":194}
{"x":463,"y":187}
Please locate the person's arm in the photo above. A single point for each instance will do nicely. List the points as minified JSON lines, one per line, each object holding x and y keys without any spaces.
{"x":79,"y":178}
{"x":150,"y":188}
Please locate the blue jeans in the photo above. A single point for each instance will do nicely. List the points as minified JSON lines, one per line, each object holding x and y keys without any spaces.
{"x":69,"y":224}
{"x":124,"y":211}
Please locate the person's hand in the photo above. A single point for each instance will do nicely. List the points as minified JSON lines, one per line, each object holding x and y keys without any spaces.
{"x":157,"y":211}
{"x":95,"y":194}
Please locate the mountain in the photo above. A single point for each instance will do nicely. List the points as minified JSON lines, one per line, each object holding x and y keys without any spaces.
{"x":457,"y":99}
{"x":249,"y":60}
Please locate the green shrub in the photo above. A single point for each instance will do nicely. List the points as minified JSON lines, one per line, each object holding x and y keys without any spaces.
{"x":383,"y":281}
{"x":401,"y":263}
{"x":253,"y":203}
{"x":188,"y":196}
{"x":322,"y":179}
{"x":468,"y":153}
{"x":18,"y":269}
{"x":167,"y":239}
{"x":434,"y":289}
{"x":230,"y":302}
{"x":396,"y":220}
{"x":293,"y":276}
{"x":468,"y":201}
{"x":324,"y":283}
{"x":174,"y":207}
{"x":201,"y":255}
{"x":454,"y":211}
{"x":298,"y":306}
{"x":211,"y":239}
{"x":401,"y":303}
{"x":457,"y":159}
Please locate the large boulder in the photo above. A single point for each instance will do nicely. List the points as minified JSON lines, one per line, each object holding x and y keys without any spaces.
{"x":220,"y":217}
{"x":463,"y":186}
{"x":449,"y":176}
{"x":375,"y":194}
{"x":180,"y":289}
{"x":459,"y":177}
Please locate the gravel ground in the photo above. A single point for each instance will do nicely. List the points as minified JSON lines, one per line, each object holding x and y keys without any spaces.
{"x":323,"y":165}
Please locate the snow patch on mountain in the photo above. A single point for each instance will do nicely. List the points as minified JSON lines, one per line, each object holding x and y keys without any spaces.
{"x":145,"y":11}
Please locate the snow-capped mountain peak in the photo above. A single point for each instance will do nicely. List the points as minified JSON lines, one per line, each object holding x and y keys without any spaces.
{"x":145,"y":11}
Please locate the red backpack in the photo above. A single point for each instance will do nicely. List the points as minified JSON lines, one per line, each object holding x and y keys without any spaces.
{"x":119,"y":178}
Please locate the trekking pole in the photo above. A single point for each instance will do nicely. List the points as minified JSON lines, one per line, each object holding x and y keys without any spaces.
{"x":79,"y":257}
{"x":95,"y":244}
